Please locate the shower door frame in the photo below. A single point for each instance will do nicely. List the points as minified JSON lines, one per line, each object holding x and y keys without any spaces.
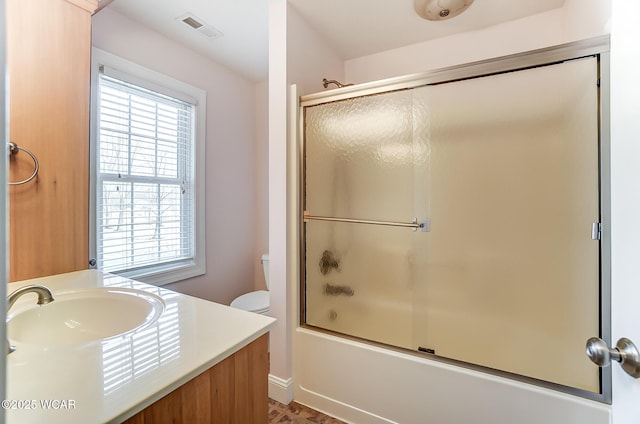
{"x":595,"y":47}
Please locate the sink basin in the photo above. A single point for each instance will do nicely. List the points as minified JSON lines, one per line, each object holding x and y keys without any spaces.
{"x":81,"y":316}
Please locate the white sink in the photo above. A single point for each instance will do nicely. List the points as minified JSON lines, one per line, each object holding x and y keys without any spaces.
{"x":81,"y":316}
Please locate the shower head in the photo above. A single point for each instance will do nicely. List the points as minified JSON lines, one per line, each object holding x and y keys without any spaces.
{"x":439,"y":10}
{"x":326,"y":82}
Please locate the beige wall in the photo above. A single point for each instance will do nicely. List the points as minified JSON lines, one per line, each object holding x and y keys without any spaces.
{"x":307,"y":73}
{"x":261,"y":169}
{"x":578,"y":19}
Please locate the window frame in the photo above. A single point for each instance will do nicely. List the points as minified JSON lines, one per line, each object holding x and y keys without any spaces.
{"x":133,"y":73}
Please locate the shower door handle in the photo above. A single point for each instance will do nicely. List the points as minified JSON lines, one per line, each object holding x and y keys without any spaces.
{"x":625,"y":353}
{"x":424,"y":225}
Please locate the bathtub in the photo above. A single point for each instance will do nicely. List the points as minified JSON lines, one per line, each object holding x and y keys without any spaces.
{"x":364,"y":383}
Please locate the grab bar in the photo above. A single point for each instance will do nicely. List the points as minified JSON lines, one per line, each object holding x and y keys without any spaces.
{"x":416,"y":224}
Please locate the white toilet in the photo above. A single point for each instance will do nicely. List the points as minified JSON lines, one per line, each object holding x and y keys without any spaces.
{"x":256,"y":301}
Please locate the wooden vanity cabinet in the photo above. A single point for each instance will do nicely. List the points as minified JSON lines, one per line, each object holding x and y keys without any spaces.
{"x":49,"y":62}
{"x":232,"y":391}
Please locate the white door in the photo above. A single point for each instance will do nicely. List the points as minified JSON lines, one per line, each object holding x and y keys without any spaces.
{"x":625,"y":198}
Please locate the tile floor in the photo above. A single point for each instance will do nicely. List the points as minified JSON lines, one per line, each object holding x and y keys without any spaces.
{"x":297,"y":414}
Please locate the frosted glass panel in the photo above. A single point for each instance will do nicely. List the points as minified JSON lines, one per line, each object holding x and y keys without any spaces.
{"x":362,"y":155}
{"x":506,"y":169}
{"x":512,"y":277}
{"x":360,"y":280}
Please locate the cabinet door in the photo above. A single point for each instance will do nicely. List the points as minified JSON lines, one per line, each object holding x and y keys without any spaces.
{"x":48,"y":55}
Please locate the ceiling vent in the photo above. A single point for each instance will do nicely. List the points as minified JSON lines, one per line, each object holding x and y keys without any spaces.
{"x":199,"y":26}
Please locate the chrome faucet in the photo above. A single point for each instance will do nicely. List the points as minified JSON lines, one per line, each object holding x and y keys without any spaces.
{"x":44,"y":296}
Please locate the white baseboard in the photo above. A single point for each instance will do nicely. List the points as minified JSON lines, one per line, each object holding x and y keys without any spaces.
{"x":281,"y":390}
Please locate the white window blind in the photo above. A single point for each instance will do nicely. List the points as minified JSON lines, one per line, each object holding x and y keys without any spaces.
{"x":145,"y":178}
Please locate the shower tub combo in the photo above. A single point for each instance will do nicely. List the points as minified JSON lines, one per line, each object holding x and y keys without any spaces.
{"x":451,"y":247}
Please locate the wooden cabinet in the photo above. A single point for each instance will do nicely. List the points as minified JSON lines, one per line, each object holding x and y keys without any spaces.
{"x":232,"y":391}
{"x":48,"y":58}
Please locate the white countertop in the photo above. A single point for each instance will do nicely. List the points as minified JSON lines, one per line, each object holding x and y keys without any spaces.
{"x":110,"y":380}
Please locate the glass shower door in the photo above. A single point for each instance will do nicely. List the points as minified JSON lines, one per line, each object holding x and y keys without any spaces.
{"x":365,"y":161}
{"x":504,"y":171}
{"x":513,"y":273}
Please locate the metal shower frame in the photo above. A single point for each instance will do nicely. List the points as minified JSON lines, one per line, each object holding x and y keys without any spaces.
{"x":598,"y":47}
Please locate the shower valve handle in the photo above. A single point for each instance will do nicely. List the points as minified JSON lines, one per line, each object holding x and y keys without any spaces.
{"x":625,"y":353}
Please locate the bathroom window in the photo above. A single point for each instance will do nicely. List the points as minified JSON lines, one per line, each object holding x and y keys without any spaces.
{"x":146,"y":174}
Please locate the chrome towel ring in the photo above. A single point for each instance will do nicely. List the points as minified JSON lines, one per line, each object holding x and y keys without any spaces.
{"x":13,"y":150}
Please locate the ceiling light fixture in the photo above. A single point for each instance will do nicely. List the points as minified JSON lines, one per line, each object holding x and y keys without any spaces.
{"x":439,"y":10}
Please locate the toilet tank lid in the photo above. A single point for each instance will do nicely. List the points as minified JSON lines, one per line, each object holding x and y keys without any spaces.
{"x":265,"y":257}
